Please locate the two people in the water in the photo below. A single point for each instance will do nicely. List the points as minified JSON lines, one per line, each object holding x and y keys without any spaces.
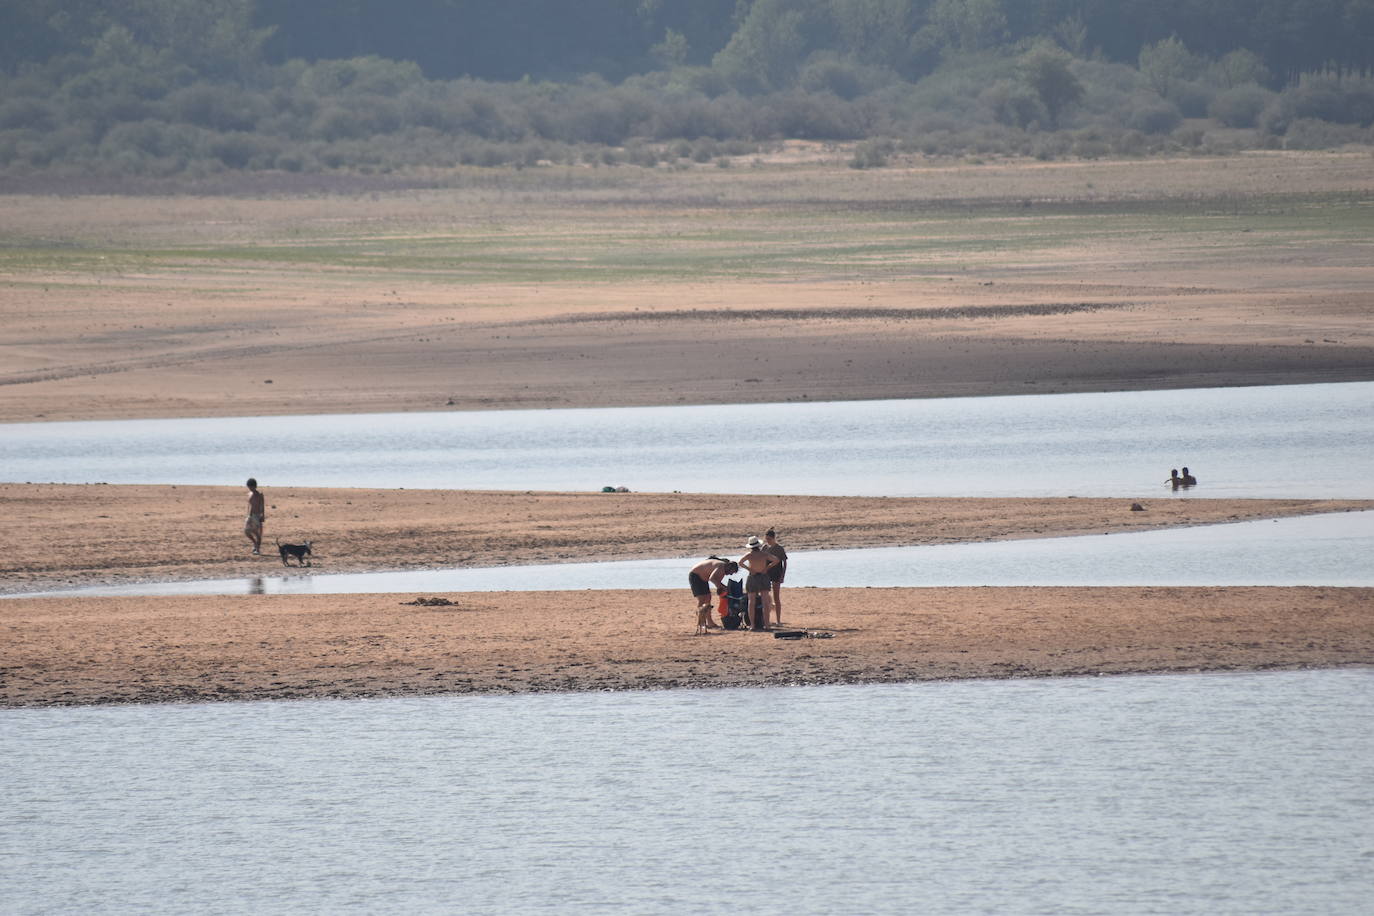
{"x":1177,"y":480}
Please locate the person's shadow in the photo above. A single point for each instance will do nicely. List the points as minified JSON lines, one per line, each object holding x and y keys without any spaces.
{"x":257,"y":586}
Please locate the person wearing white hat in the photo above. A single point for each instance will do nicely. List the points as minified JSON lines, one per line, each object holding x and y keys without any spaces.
{"x":757,"y":586}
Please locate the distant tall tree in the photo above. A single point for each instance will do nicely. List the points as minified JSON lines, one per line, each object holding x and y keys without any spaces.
{"x":766,"y":50}
{"x":672,"y":50}
{"x":705,"y":25}
{"x":1072,"y":35}
{"x":1045,"y":69}
{"x":875,"y":32}
{"x":1167,"y":63}
{"x":216,"y":38}
{"x":1357,"y":28}
{"x":1238,"y":68}
{"x":970,"y":25}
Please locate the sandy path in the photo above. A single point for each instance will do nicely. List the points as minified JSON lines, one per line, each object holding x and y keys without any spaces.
{"x":120,"y":650}
{"x":64,"y":535}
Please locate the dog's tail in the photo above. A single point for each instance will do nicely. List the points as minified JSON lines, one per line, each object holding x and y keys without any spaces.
{"x":278,"y":540}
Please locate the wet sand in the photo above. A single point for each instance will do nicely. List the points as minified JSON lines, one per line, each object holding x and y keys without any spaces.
{"x":136,"y":650}
{"x":62,"y":535}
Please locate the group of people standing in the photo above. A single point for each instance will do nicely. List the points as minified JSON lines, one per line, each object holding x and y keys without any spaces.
{"x":766,"y":566}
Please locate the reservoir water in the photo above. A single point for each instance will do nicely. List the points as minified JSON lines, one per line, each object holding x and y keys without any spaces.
{"x":1277,"y":441}
{"x":1200,"y":794}
{"x":1174,"y":795}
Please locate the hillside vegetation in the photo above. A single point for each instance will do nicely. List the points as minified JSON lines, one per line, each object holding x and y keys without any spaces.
{"x":163,"y":88}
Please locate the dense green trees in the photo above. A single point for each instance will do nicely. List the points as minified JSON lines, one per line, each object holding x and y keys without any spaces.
{"x":553,"y":39}
{"x":169,"y":86}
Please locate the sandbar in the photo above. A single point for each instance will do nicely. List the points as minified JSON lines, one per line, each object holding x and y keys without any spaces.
{"x":68,"y":650}
{"x":174,"y":649}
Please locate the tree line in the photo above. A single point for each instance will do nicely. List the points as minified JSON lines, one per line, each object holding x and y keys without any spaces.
{"x":164,"y":86}
{"x":760,"y":40}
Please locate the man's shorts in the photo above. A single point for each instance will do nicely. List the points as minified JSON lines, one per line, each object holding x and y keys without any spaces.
{"x":698,"y":585}
{"x":757,"y":582}
{"x":253,"y":523}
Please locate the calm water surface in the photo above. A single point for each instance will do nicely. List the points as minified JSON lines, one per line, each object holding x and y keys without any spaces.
{"x":1181,"y":794}
{"x":1276,"y":441}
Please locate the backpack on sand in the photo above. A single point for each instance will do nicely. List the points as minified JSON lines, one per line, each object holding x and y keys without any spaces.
{"x":733,"y":605}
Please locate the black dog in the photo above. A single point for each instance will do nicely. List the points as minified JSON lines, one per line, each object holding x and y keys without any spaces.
{"x":299,"y":551}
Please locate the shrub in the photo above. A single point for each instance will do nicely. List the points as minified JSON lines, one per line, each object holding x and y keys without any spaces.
{"x":635,"y":153}
{"x":1322,"y":99}
{"x":703,"y":80}
{"x":1151,"y":114}
{"x":154,"y":138}
{"x":820,"y":116}
{"x":1014,"y":104}
{"x":828,"y":72}
{"x":682,"y":117}
{"x":1189,"y":136}
{"x":1337,"y":101}
{"x":218,"y":107}
{"x":705,"y":149}
{"x":1051,"y":146}
{"x":1090,"y":144}
{"x":240,"y":150}
{"x":334,"y":122}
{"x":474,"y":110}
{"x":1131,"y":143}
{"x":1192,"y":98}
{"x":291,"y":161}
{"x":1240,"y":106}
{"x":871,"y":154}
{"x":1311,"y":134}
{"x":597,"y":118}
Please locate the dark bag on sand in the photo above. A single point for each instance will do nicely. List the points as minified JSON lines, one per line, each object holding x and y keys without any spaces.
{"x":736,"y":604}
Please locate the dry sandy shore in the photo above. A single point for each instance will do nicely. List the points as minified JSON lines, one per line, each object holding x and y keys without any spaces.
{"x":63,"y":650}
{"x":710,"y":286}
{"x":124,"y":650}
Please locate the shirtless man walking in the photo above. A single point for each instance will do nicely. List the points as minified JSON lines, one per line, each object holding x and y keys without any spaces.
{"x":257,"y":514}
{"x":757,"y":586}
{"x":705,"y":574}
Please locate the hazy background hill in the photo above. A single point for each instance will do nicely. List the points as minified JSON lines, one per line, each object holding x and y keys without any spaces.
{"x":171,"y":87}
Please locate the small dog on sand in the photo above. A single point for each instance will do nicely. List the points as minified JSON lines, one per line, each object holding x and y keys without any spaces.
{"x":299,"y":551}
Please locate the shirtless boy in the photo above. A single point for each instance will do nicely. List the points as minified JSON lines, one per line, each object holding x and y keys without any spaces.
{"x":257,"y":513}
{"x":700,"y":579}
